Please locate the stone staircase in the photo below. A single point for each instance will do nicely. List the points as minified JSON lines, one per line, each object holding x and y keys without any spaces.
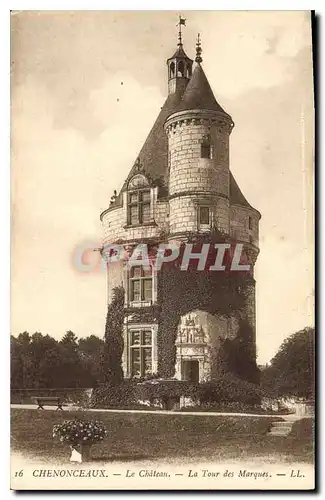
{"x":281,"y":428}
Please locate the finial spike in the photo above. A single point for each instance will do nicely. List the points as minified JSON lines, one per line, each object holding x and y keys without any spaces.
{"x":180,"y":23}
{"x":198,"y":58}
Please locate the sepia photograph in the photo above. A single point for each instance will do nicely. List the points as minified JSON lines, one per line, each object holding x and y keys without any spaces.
{"x":162,"y":250}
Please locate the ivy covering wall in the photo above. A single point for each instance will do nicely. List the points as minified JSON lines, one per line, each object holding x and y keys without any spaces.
{"x":113,"y":350}
{"x":220,"y":293}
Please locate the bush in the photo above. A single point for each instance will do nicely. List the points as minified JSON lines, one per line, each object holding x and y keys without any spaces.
{"x":229,"y":389}
{"x":162,"y":388}
{"x":114,"y":396}
{"x":169,"y":391}
{"x":303,"y":429}
{"x":166,"y":391}
{"x":129,"y":393}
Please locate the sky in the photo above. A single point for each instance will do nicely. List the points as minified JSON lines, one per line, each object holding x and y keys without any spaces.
{"x":77,"y":130}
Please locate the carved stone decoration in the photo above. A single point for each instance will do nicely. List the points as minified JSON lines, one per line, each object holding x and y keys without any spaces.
{"x":198,"y":342}
{"x":190,"y":331}
{"x":192,"y":348}
{"x":138,"y":181}
{"x":113,"y":198}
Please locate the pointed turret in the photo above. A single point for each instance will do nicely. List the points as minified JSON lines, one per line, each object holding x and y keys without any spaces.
{"x":179,"y":66}
{"x":198,"y":93}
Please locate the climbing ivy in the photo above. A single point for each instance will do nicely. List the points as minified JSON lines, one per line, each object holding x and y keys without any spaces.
{"x":113,"y":349}
{"x":239,"y":354}
{"x":180,"y":292}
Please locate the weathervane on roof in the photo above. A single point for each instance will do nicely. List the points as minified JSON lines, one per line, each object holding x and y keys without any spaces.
{"x":198,"y":58}
{"x":180,"y":23}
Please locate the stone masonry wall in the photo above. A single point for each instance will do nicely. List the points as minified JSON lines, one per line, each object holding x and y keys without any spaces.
{"x":190,"y":172}
{"x":115,"y":223}
{"x":239,"y":224}
{"x":184,"y":213}
{"x":250,"y":309}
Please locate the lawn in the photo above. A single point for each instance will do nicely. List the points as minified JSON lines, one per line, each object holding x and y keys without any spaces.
{"x":150,"y":437}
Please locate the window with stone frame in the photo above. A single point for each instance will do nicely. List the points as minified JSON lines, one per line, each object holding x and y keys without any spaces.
{"x":138,"y":201}
{"x":140,"y":352}
{"x":140,"y":284}
{"x":204,"y":216}
{"x":250,"y":223}
{"x":206,"y":148}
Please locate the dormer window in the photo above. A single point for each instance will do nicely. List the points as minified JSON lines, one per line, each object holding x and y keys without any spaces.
{"x":138,"y":201}
{"x":206,"y":148}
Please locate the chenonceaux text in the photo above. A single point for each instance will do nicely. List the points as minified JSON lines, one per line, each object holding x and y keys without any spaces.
{"x":89,"y":473}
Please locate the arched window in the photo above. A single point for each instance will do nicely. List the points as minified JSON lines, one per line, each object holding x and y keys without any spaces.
{"x":138,"y":200}
{"x":172,"y":70}
{"x":180,"y":69}
{"x":189,"y":71}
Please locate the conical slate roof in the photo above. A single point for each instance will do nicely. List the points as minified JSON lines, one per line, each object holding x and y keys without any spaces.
{"x":180,"y":53}
{"x":198,"y":93}
{"x":154,"y":153}
{"x":235,"y":195}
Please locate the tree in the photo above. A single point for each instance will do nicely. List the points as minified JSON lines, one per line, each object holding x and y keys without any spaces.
{"x":40,"y":361}
{"x":70,"y":340}
{"x":16,"y":366}
{"x":50,"y":367}
{"x":71,"y":365}
{"x":243,"y":354}
{"x":44,"y":350}
{"x":24,"y":341}
{"x":91,"y":350}
{"x":292,"y":370}
{"x":237,"y":356}
{"x":112,"y":353}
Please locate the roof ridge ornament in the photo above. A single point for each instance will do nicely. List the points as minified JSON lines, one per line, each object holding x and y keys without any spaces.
{"x":198,"y":57}
{"x":138,"y":165}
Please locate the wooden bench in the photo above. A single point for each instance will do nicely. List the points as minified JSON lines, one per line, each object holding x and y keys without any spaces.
{"x":41,"y":400}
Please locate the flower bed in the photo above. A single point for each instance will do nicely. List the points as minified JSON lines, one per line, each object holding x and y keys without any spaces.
{"x":80,"y":431}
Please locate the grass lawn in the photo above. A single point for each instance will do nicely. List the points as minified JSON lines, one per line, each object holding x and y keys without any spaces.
{"x":149,"y":437}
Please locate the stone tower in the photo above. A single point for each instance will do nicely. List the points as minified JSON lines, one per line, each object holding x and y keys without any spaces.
{"x":198,"y":143}
{"x":180,"y":184}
